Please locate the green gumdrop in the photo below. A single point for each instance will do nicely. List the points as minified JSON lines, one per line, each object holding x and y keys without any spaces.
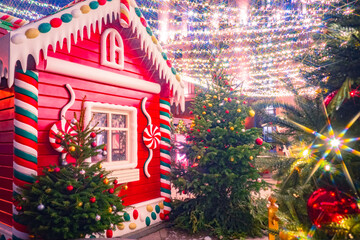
{"x":147,"y":221}
{"x":173,"y":70}
{"x":92,"y":236}
{"x":66,"y":17}
{"x":44,"y":27}
{"x":94,"y":5}
{"x":138,"y":12}
{"x":148,"y":30}
{"x":126,"y":217}
{"x":164,"y":56}
{"x":2,"y":237}
{"x":157,"y":209}
{"x":153,"y":215}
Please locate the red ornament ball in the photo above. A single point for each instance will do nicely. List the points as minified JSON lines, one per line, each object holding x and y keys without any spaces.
{"x":244,"y":102}
{"x":167,"y":218}
{"x":69,"y":188}
{"x":204,"y":106}
{"x":229,"y":100}
{"x":93,"y":135}
{"x":58,"y":141}
{"x":111,"y":190}
{"x":227,"y":111}
{"x":259,"y":141}
{"x":56,"y":169}
{"x":92,"y":199}
{"x":115,"y":181}
{"x":191,"y":112}
{"x":326,"y":206}
{"x":55,"y":22}
{"x":208,"y":130}
{"x":109,"y":233}
{"x":18,"y":208}
{"x":101,"y":175}
{"x":105,"y":148}
{"x":102,"y":2}
{"x":93,"y":144}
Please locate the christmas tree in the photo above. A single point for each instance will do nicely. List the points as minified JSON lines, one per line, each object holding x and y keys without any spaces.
{"x":75,"y":199}
{"x":220,"y":178}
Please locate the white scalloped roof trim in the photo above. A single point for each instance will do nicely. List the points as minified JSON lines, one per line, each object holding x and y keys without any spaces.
{"x":15,"y":46}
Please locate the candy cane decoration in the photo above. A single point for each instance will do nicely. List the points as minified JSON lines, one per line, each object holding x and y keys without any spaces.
{"x":165,"y":159}
{"x":17,"y":22}
{"x":62,"y":126}
{"x":125,"y":13}
{"x":151,"y":137}
{"x":25,"y":139}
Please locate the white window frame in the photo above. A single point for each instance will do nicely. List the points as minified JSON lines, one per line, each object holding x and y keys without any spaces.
{"x":114,"y":37}
{"x":124,"y":171}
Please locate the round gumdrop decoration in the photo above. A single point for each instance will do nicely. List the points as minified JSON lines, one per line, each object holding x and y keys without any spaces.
{"x":102,"y":2}
{"x":259,"y":141}
{"x":126,"y":216}
{"x":109,"y":233}
{"x":162,"y":216}
{"x":327,"y":206}
{"x":157,"y":209}
{"x":135,"y":214}
{"x":153,"y":215}
{"x":55,"y":22}
{"x":147,"y":221}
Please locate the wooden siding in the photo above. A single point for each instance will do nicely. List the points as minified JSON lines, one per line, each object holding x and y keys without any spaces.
{"x":6,"y":154}
{"x":53,"y":96}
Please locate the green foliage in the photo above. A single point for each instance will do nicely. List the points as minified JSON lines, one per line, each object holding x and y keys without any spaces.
{"x":65,"y":201}
{"x":220,"y":178}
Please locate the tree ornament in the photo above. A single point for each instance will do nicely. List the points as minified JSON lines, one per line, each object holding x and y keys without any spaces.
{"x":191,"y":112}
{"x":327,"y":206}
{"x":72,"y":148}
{"x":80,"y":204}
{"x":104,"y":153}
{"x":210,"y":105}
{"x":238,"y":110}
{"x":115,"y":181}
{"x":110,"y":209}
{"x":229,"y":100}
{"x":204,"y":113}
{"x":73,"y":121}
{"x":232,"y":159}
{"x":204,"y":106}
{"x":251,"y":158}
{"x":101,"y":175}
{"x":106,"y":181}
{"x":259,"y":180}
{"x":82,"y":171}
{"x":40,"y":207}
{"x":111,"y":190}
{"x":243,"y":130}
{"x":232,"y":128}
{"x":218,"y":121}
{"x":92,"y":199}
{"x":69,"y":188}
{"x":198,"y":157}
{"x":244,"y":102}
{"x":225,"y":99}
{"x":100,"y":166}
{"x":93,"y":144}
{"x":18,"y":208}
{"x":126,"y":187}
{"x":48,"y":190}
{"x":215,"y":97}
{"x":105,"y":148}
{"x":93,"y":134}
{"x":251,"y":113}
{"x":208,"y":130}
{"x":58,"y":141}
{"x":259,"y":141}
{"x":57,"y":169}
{"x":109,"y":233}
{"x":227,"y":111}
{"x":97,"y":217}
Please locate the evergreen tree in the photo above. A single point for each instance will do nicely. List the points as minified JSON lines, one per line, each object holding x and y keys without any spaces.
{"x":220,"y":178}
{"x":72,"y":200}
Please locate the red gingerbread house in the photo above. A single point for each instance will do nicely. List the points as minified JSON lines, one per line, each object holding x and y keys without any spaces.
{"x":103,"y":50}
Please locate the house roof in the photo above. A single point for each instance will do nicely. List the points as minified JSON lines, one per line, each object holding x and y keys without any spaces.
{"x":35,"y":37}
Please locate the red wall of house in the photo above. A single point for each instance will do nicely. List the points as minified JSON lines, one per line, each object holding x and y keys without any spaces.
{"x":6,"y":154}
{"x":53,"y":96}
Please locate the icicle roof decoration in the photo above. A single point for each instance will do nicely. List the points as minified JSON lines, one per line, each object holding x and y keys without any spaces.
{"x":36,"y":37}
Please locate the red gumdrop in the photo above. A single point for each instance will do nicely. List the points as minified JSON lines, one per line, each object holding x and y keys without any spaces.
{"x":162,"y":216}
{"x":109,"y":233}
{"x":168,"y":62}
{"x":101,"y":2}
{"x":167,"y":218}
{"x":143,"y":22}
{"x":55,"y":22}
{"x":135,"y":214}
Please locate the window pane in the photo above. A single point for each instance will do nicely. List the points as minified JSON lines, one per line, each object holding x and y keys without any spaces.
{"x":101,"y":138}
{"x":118,"y":121}
{"x":101,"y":119}
{"x":118,"y":146}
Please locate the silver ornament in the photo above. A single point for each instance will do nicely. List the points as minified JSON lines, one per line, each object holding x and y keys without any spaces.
{"x":104,"y":153}
{"x":73,"y":121}
{"x":218,"y":121}
{"x":243,"y":130}
{"x":111,"y":225}
{"x":98,"y":217}
{"x":40,"y":207}
{"x":114,"y":208}
{"x":82,"y":172}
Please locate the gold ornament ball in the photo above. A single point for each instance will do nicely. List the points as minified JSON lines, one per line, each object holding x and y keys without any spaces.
{"x":80,"y":204}
{"x":48,"y":190}
{"x":72,"y":148}
{"x":198,"y":157}
{"x":251,"y":158}
{"x":238,"y":110}
{"x":106,"y":181}
{"x":232,"y":159}
{"x":251,"y":113}
{"x":210,"y":105}
{"x":110,"y":209}
{"x":161,"y":205}
{"x":82,"y":235}
{"x":126,"y":187}
{"x":203,"y":113}
{"x":100,"y":166}
{"x":225,"y":99}
{"x":232,"y":128}
{"x":215,"y":97}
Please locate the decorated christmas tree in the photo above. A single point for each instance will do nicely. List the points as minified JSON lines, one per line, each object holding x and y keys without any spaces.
{"x":220,"y":178}
{"x":74,"y":199}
